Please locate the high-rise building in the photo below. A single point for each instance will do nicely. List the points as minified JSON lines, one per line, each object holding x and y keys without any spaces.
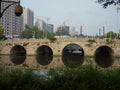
{"x":11,"y":23}
{"x":50,"y":28}
{"x":63,"y":30}
{"x":72,"y":31}
{"x":41,"y":24}
{"x":28,"y":17}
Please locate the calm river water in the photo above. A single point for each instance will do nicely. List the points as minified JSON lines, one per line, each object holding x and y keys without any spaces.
{"x":47,"y":63}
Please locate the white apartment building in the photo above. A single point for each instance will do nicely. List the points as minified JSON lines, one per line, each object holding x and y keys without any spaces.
{"x":72,"y":31}
{"x":28,"y":17}
{"x":42,"y":25}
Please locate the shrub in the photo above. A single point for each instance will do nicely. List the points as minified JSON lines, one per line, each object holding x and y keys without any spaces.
{"x":85,"y":77}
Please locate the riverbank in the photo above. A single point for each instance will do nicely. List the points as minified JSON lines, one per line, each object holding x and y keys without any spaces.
{"x":85,"y":77}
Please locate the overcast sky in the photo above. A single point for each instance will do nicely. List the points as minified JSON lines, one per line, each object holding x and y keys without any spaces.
{"x":86,"y":13}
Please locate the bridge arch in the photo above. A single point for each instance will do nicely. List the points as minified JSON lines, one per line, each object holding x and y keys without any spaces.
{"x":44,"y":55}
{"x":43,"y":50}
{"x":104,"y":56}
{"x":72,"y":55}
{"x":18,"y":50}
{"x":18,"y":54}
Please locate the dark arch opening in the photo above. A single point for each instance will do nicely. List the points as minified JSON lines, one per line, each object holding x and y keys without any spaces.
{"x":73,"y":55}
{"x":18,"y":54}
{"x":104,"y":56}
{"x":18,"y":50}
{"x":44,"y":55}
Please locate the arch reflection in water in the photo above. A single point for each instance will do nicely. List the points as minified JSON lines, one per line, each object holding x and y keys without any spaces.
{"x":44,"y":60}
{"x":44,"y":55}
{"x":104,"y":56}
{"x":17,"y":54}
{"x":73,"y":55}
{"x":17,"y":59}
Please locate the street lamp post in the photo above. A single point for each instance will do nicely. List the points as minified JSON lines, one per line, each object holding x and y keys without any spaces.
{"x":18,"y":8}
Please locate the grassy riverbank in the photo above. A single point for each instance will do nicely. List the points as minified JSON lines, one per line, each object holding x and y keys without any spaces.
{"x":82,"y":78}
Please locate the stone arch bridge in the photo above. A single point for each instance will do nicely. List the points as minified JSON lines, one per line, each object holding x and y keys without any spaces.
{"x":31,"y":45}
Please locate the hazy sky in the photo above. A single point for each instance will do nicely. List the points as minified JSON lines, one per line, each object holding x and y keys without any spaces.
{"x":75,"y":13}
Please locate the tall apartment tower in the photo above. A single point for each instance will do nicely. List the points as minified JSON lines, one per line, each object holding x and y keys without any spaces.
{"x":28,"y":17}
{"x":50,"y":27}
{"x":63,"y":30}
{"x":11,"y":23}
{"x":72,"y":31}
{"x":41,"y":24}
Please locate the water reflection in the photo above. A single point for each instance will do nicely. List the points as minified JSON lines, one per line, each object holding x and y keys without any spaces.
{"x":72,"y":60}
{"x":44,"y":59}
{"x":73,"y":55}
{"x":17,"y":54}
{"x":104,"y":56}
{"x":44,"y":55}
{"x":17,"y":59}
{"x":57,"y":62}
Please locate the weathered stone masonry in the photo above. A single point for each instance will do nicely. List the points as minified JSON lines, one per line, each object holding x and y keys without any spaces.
{"x":31,"y":45}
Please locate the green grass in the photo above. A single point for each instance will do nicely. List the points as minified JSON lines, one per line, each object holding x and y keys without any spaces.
{"x":91,"y":41}
{"x":85,"y":77}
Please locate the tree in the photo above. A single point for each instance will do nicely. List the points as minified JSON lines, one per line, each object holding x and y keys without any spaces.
{"x":27,"y":33}
{"x":33,"y":32}
{"x":37,"y":33}
{"x":1,"y":30}
{"x":51,"y":36}
{"x":106,"y":3}
{"x":111,"y":35}
{"x":2,"y":36}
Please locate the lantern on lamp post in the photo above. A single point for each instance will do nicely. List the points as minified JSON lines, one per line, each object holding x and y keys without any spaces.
{"x":18,"y":8}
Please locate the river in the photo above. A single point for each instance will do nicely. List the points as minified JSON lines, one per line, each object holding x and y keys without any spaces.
{"x":43,"y":63}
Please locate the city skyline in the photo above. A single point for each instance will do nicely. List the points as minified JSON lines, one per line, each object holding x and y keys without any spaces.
{"x":88,"y":14}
